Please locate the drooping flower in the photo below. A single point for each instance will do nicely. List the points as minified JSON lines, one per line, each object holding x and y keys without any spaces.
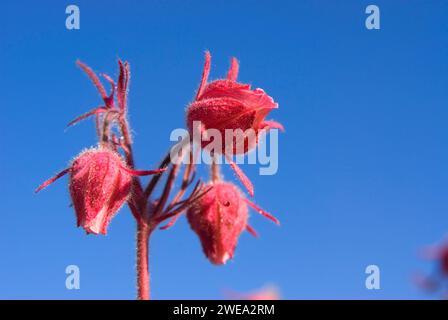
{"x":100,"y":183}
{"x":99,"y":186}
{"x":219,"y":217}
{"x":226,"y":104}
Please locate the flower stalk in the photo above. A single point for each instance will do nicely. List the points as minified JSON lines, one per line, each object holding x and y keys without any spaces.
{"x":143,"y":280}
{"x":102,"y":179}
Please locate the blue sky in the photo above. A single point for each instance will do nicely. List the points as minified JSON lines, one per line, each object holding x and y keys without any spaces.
{"x":362,"y":174}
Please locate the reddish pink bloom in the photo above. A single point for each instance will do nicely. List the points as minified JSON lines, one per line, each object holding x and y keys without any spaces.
{"x":219,"y":217}
{"x":443,"y":260}
{"x":438,"y":253}
{"x":268,"y":293}
{"x":227,"y":104}
{"x":100,"y":184}
{"x":438,"y":279}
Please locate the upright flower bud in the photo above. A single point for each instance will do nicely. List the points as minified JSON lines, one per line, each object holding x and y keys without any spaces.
{"x":227,"y":104}
{"x":219,"y":217}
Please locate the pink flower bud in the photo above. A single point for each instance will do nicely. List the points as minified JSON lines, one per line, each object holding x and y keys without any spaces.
{"x":100,"y":183}
{"x":99,"y":186}
{"x":219,"y":217}
{"x":227,"y":104}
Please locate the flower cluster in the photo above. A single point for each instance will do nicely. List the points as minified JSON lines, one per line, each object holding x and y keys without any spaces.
{"x":103,"y":178}
{"x":221,"y":215}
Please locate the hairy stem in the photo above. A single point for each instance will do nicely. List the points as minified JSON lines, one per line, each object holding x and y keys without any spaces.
{"x":143,"y":285}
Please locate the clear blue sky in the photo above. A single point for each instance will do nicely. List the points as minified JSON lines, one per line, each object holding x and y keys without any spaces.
{"x":363,"y":173}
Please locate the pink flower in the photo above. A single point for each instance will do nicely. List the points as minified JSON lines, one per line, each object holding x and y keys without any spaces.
{"x":219,"y":217}
{"x":100,"y":184}
{"x":227,"y":104}
{"x":437,"y":280}
{"x":267,"y":293}
{"x":438,"y":253}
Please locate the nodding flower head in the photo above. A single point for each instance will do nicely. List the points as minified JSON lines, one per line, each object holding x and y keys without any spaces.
{"x":100,"y":183}
{"x":99,"y":186}
{"x":219,"y":217}
{"x":226,"y":104}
